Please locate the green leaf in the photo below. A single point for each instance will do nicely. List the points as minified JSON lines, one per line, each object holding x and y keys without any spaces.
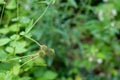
{"x":14,"y":27}
{"x":4,"y":30}
{"x":2,"y":2}
{"x":9,"y":49}
{"x":4,"y":41}
{"x":3,"y":55}
{"x":53,"y":1}
{"x":73,"y":3}
{"x":16,"y":47}
{"x":15,"y":37}
{"x":11,"y":5}
{"x":16,"y":69}
{"x":5,"y":67}
{"x":49,"y":75}
{"x":2,"y":75}
{"x":40,"y":62}
{"x":101,"y":55}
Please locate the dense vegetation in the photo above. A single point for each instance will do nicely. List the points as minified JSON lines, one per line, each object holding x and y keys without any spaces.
{"x":85,"y":35}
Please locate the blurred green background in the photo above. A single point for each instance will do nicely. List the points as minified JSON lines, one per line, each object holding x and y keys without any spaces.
{"x":84,"y":33}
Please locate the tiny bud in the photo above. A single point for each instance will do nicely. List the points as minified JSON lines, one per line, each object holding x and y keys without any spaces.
{"x":44,"y":47}
{"x":51,"y":51}
{"x":42,"y":52}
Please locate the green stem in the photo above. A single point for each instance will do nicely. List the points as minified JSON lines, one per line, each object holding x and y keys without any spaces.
{"x":32,"y":40}
{"x":29,"y":61}
{"x":2,"y":13}
{"x":40,"y":16}
{"x":17,"y":13}
{"x":22,"y":57}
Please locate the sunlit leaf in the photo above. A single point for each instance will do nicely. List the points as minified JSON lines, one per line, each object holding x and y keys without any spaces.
{"x":4,"y":41}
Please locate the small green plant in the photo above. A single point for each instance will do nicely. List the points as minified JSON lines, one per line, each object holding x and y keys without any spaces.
{"x":16,"y":46}
{"x":84,"y":33}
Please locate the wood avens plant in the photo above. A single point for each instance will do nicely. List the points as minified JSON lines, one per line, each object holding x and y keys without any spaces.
{"x":13,"y":40}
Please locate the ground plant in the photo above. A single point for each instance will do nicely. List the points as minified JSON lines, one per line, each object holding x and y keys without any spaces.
{"x":59,"y":39}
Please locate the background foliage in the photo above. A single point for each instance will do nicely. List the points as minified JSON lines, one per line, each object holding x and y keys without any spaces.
{"x":84,"y":33}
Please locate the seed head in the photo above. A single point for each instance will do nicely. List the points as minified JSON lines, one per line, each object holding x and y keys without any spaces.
{"x":44,"y":47}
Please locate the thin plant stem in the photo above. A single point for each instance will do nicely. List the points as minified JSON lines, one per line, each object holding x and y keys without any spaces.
{"x":22,"y":57}
{"x":40,"y":16}
{"x":17,"y":12}
{"x":2,"y":13}
{"x":33,"y":40}
{"x":29,"y":61}
{"x":17,"y":8}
